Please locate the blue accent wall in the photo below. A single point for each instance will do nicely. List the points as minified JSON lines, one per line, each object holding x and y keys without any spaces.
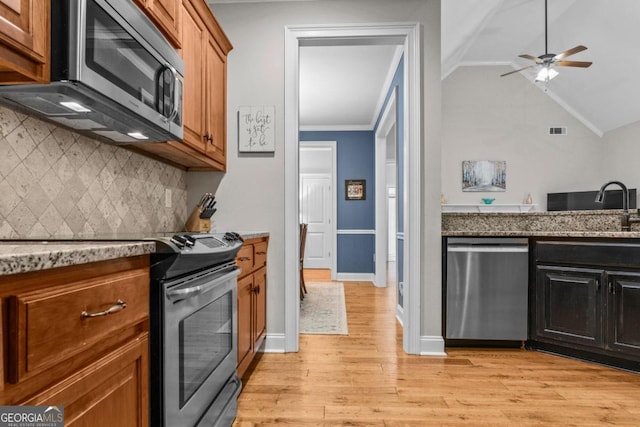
{"x":356,"y":160}
{"x":355,"y":253}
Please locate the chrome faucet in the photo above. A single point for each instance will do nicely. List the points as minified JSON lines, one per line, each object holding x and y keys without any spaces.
{"x":626,"y":220}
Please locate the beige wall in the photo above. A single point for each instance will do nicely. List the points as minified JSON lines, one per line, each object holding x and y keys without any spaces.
{"x":486,"y":117}
{"x":251,"y":195}
{"x":621,"y":154}
{"x":54,"y":182}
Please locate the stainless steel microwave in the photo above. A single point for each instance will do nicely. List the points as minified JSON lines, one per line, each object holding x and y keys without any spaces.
{"x":113,"y":75}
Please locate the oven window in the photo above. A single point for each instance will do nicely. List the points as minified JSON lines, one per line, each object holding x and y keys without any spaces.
{"x":205,"y":340}
{"x":118,"y":57}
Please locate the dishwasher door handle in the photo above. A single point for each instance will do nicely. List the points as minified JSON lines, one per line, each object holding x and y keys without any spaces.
{"x":488,"y":248}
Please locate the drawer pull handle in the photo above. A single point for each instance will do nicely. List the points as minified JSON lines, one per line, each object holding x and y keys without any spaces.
{"x":118,"y":306}
{"x":244,"y":258}
{"x":261,"y":253}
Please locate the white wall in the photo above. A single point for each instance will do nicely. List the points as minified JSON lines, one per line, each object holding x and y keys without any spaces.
{"x":488,"y":117}
{"x":621,"y":154}
{"x":251,"y":193}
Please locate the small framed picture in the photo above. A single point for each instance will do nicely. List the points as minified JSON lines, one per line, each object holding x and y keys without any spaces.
{"x":355,"y":189}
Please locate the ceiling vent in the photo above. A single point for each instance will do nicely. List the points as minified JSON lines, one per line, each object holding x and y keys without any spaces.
{"x":558,"y":131}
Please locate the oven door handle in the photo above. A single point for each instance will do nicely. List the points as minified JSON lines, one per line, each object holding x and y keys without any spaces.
{"x":179,"y":294}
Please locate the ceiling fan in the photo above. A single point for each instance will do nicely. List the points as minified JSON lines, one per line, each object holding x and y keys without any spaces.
{"x":548,"y":61}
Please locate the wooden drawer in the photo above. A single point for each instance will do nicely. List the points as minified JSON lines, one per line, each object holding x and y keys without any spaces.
{"x":48,"y":326}
{"x":260,"y":254}
{"x":111,"y":391}
{"x":245,"y":259}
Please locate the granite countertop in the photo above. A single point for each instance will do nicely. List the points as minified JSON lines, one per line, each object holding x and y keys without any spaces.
{"x":22,"y":257}
{"x":581,"y":224}
{"x":33,"y":255}
{"x":253,"y":234}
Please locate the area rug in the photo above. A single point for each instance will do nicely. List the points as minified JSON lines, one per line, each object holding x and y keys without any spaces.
{"x":323,"y":311}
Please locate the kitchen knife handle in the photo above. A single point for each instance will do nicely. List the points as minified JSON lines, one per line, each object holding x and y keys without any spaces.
{"x":118,"y":306}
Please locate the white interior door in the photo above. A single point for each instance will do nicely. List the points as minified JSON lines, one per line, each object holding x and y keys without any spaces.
{"x":316,"y":210}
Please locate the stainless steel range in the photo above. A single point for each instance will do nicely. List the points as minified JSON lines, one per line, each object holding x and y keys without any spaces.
{"x":194,"y":331}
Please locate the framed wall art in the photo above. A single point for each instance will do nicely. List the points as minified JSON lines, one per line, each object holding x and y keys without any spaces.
{"x":256,"y":129}
{"x":484,"y":175}
{"x":355,"y":189}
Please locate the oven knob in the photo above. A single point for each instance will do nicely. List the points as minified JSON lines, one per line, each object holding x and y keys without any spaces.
{"x":178,"y":240}
{"x":230,"y":236}
{"x":189,"y":240}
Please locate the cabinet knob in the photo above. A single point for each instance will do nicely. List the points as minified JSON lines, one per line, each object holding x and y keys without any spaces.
{"x":257,"y":289}
{"x":208,"y":137}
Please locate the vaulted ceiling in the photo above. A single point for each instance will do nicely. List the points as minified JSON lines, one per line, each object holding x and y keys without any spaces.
{"x":494,"y":32}
{"x":340,"y":87}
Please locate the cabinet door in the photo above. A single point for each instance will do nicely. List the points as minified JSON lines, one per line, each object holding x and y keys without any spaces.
{"x":569,"y":305}
{"x":114,"y":391}
{"x":166,"y":14}
{"x":623,"y":313}
{"x":194,"y":36}
{"x":260,"y":307}
{"x":24,"y":40}
{"x":245,"y":339}
{"x":216,"y":101}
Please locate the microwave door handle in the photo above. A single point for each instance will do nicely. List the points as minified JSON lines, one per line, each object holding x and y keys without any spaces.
{"x":175,"y":99}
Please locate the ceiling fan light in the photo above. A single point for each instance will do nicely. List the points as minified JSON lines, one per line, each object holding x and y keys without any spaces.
{"x":545,"y":74}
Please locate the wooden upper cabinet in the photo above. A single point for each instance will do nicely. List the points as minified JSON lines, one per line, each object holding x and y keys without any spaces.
{"x":194,"y":34}
{"x":205,"y":49}
{"x":204,"y":107}
{"x":216,"y":74}
{"x":24,"y":41}
{"x":166,"y":15}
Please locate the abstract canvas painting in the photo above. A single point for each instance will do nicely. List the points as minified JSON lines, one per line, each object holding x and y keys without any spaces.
{"x":484,"y":175}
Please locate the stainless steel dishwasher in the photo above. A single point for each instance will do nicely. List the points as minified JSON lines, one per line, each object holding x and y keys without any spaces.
{"x":487,"y":287}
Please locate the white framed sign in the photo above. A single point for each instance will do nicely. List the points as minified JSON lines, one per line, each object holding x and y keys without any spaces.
{"x":256,"y":129}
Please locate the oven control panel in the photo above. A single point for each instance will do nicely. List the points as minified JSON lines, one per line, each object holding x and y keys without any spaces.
{"x":199,"y":243}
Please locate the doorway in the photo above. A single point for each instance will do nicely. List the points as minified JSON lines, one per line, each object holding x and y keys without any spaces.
{"x":386,"y":171}
{"x":406,"y":35}
{"x":317,"y":203}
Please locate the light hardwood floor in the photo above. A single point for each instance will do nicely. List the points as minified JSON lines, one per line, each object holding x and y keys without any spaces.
{"x":365,"y":379}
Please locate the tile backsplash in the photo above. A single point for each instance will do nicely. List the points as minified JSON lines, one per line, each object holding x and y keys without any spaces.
{"x":57,"y":183}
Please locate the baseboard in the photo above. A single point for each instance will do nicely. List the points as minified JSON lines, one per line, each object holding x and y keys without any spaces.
{"x":274,"y":343}
{"x":400,"y":314}
{"x":432,"y":346}
{"x":356,"y":277}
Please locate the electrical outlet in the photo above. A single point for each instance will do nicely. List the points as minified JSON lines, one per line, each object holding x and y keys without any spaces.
{"x":167,"y":197}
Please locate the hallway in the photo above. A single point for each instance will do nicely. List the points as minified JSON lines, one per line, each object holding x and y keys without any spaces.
{"x":365,"y":379}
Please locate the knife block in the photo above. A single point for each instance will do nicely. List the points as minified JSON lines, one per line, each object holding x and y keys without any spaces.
{"x":197,"y":224}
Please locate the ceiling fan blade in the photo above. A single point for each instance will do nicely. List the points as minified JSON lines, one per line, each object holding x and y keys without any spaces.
{"x":532,"y":58}
{"x":569,"y":52}
{"x":515,"y":71}
{"x":581,"y":64}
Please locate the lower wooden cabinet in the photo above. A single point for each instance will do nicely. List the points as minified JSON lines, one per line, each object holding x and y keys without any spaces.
{"x":588,"y":297}
{"x":60,"y":350}
{"x":623,"y":313}
{"x":113,"y":391}
{"x":252,"y":300}
{"x":569,"y":305}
